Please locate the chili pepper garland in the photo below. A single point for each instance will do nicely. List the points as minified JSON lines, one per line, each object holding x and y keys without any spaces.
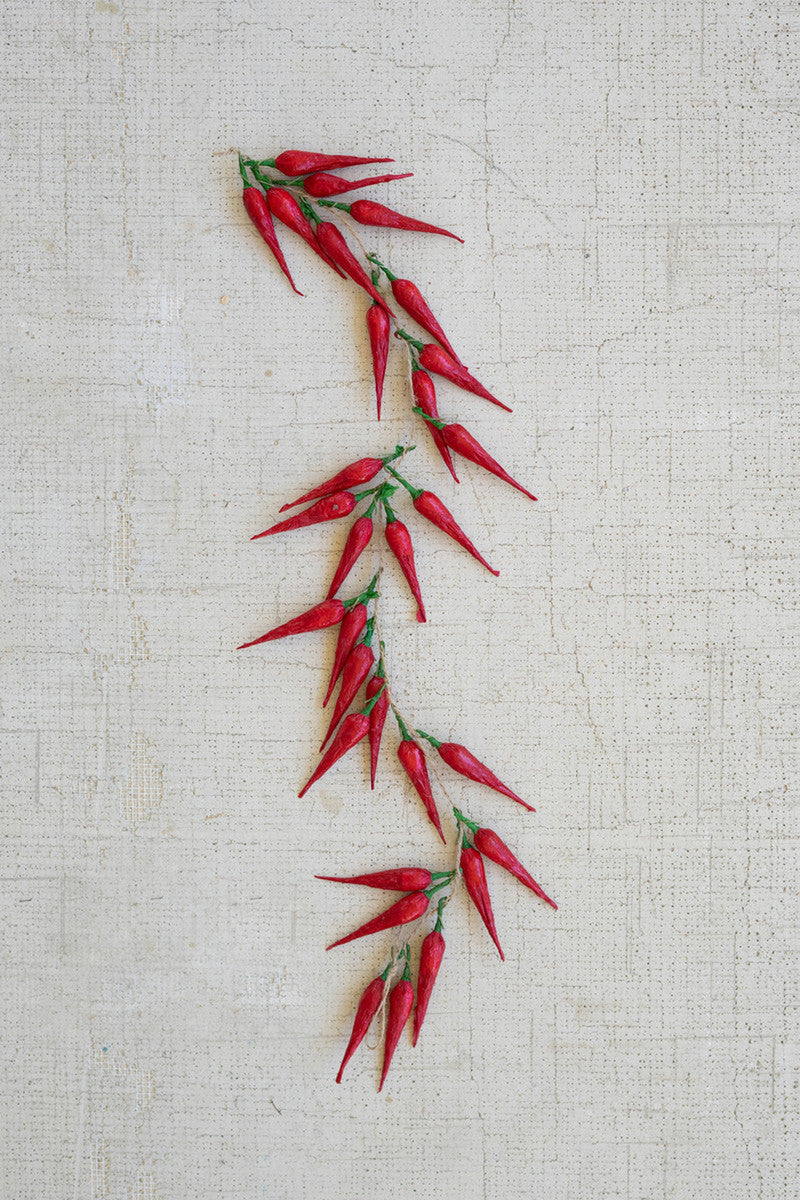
{"x":300,"y":200}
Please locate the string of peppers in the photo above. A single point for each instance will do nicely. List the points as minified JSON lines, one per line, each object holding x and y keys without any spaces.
{"x":300,"y":199}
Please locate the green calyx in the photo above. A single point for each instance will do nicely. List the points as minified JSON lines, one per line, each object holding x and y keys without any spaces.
{"x":367,"y":709}
{"x":462,"y":820}
{"x":406,"y":736}
{"x":430,"y":420}
{"x":436,"y":744}
{"x":418,"y":346}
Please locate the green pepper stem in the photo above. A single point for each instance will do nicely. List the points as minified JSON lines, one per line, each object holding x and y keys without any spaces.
{"x":373,"y":258}
{"x":415,"y":492}
{"x":465,"y":821}
{"x":430,"y":420}
{"x":438,"y":926}
{"x":243,"y":170}
{"x":430,"y":739}
{"x":334,"y":204}
{"x":402,"y":725}
{"x":418,"y":346}
{"x":367,"y":709}
{"x":437,"y":887}
{"x":390,"y":515}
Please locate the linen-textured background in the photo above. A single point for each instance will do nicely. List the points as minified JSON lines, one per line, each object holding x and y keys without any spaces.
{"x":626,"y":176}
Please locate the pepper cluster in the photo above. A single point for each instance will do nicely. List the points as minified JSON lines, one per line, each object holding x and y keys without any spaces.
{"x":295,"y":200}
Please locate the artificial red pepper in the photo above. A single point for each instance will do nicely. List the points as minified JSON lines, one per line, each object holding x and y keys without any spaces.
{"x":475,"y":882}
{"x":411,"y":299}
{"x":360,"y":662}
{"x":352,"y":627}
{"x":351,"y":476}
{"x":402,"y":879}
{"x":330,"y":508}
{"x":493,"y":847}
{"x":399,"y":541}
{"x":337,"y":248}
{"x":283,"y":205}
{"x":425,"y":395}
{"x":321,"y":616}
{"x":378,"y":330}
{"x":464,"y":761}
{"x":259,"y":214}
{"x":430,"y":959}
{"x":369,"y":212}
{"x":300,"y":162}
{"x":412,"y":760}
{"x":377,"y":718}
{"x":461,"y":440}
{"x":368,"y":1005}
{"x":431,"y":507}
{"x":321,"y":185}
{"x":352,"y":729}
{"x":357,"y":541}
{"x":402,"y":912}
{"x":401,"y":1001}
{"x":434,"y":358}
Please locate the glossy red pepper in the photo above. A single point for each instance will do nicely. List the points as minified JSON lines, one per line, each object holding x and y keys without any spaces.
{"x":377,"y":720}
{"x":461,"y":440}
{"x":401,"y":1001}
{"x":368,"y":212}
{"x":352,"y":729}
{"x":402,"y":879}
{"x":425,"y":396}
{"x":285,"y":208}
{"x":475,"y":883}
{"x":357,"y":541}
{"x":360,"y":662}
{"x":368,"y":1005}
{"x":412,"y":760}
{"x":352,"y":627}
{"x":430,"y":960}
{"x":493,"y":847}
{"x":322,"y":185}
{"x":411,"y":299}
{"x":337,"y":248}
{"x":399,"y":541}
{"x":321,"y":616}
{"x":351,"y":476}
{"x":431,"y":507}
{"x":378,"y":330}
{"x":402,"y":912}
{"x":259,"y":214}
{"x":464,"y":761}
{"x":330,"y":508}
{"x":301,"y":162}
{"x":434,"y":358}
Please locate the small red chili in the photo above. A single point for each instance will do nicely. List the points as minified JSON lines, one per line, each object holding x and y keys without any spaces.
{"x":357,"y":541}
{"x":399,"y":541}
{"x":337,"y":248}
{"x":493,"y":847}
{"x":431,"y":507}
{"x":412,"y":760}
{"x":475,"y":882}
{"x":368,"y":1005}
{"x":461,"y":440}
{"x":352,"y":627}
{"x":259,"y":214}
{"x":285,"y":208}
{"x":401,"y":1001}
{"x":321,"y":185}
{"x":377,"y":719}
{"x":402,"y":879}
{"x":402,"y":912}
{"x":330,"y":508}
{"x":425,"y":395}
{"x":321,"y":616}
{"x":434,"y":358}
{"x":360,"y":662}
{"x":464,"y":761}
{"x":352,"y":729}
{"x":430,"y":960}
{"x":368,"y":212}
{"x":300,"y":162}
{"x":378,"y":330}
{"x":411,"y":299}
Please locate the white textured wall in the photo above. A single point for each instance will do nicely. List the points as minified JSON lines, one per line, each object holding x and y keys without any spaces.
{"x":627,"y":179}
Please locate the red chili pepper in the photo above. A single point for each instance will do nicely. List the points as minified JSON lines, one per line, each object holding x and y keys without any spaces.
{"x":261,"y":217}
{"x":360,"y":662}
{"x":493,"y":847}
{"x":337,"y":248}
{"x":300,"y":162}
{"x":475,"y":882}
{"x":357,"y":541}
{"x":425,"y":395}
{"x":431,"y":507}
{"x":321,"y":185}
{"x":352,"y":476}
{"x":461,"y":440}
{"x":321,"y":616}
{"x":352,"y":729}
{"x":412,"y":760}
{"x":368,"y":1005}
{"x":399,"y":542}
{"x":330,"y":508}
{"x":430,"y":959}
{"x":411,"y":299}
{"x":464,"y":761}
{"x":402,"y":912}
{"x":283,"y":205}
{"x":401,"y":1001}
{"x":434,"y":358}
{"x":352,"y":627}
{"x":377,"y":719}
{"x":378,"y":330}
{"x":403,"y":879}
{"x":368,"y":212}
